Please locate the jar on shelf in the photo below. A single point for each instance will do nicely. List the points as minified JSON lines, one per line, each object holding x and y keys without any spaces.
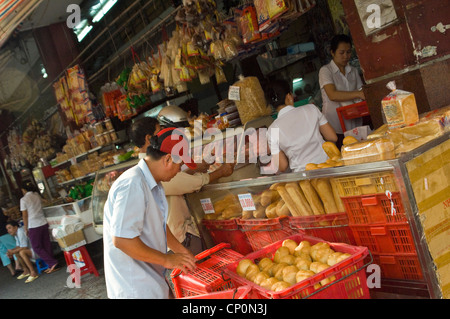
{"x":108,"y":125}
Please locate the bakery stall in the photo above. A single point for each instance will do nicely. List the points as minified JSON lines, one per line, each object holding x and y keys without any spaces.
{"x":394,"y":204}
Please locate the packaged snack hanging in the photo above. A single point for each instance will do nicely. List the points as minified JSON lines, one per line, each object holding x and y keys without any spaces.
{"x":249,"y":98}
{"x":399,"y":107}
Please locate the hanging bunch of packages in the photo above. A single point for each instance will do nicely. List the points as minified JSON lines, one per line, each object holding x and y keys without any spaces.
{"x":72,"y":95}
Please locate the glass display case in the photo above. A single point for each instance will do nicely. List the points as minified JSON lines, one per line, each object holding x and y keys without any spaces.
{"x":103,"y":180}
{"x":380,"y":201}
{"x":80,"y":208}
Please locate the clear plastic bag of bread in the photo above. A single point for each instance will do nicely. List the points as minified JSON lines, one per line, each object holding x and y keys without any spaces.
{"x":252,"y":103}
{"x":399,"y":107}
{"x":378,"y":149}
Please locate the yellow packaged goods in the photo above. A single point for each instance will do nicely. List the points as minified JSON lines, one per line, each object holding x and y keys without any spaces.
{"x":410,"y":137}
{"x":379,"y":149}
{"x":379,"y":132}
{"x":441,"y":114}
{"x":399,"y":107}
{"x":275,"y":8}
{"x":249,"y":99}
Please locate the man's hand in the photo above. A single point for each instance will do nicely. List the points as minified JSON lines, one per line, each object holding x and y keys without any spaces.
{"x":181,"y":261}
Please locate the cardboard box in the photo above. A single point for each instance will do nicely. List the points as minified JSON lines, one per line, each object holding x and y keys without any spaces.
{"x":71,"y":239}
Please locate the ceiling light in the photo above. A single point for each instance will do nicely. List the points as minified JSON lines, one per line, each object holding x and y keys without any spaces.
{"x":297,"y":80}
{"x":84,"y":32}
{"x":105,"y":8}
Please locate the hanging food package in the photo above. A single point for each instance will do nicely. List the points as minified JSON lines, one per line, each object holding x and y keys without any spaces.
{"x":249,"y":98}
{"x":137,"y":81}
{"x":399,"y":107}
{"x":275,"y":8}
{"x":248,"y":24}
{"x":204,"y":75}
{"x":220,"y":75}
{"x":262,"y":14}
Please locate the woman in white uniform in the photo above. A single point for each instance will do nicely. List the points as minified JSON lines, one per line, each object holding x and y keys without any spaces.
{"x":340,"y":85}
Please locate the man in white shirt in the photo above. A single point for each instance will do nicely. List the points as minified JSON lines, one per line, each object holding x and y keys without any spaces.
{"x":23,"y":251}
{"x":295,"y":138}
{"x":136,"y":236}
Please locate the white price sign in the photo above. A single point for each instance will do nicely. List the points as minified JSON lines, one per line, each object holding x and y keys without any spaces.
{"x":234,"y":93}
{"x":246,"y":201}
{"x":207,"y":206}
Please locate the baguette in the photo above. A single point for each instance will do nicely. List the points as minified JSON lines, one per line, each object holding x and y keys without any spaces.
{"x":331,"y":149}
{"x":282,"y":209}
{"x":269,"y":196}
{"x":271,"y":210}
{"x":337,"y":199}
{"x":260,"y":212}
{"x":288,"y":200}
{"x":299,"y":199}
{"x":323,"y":188}
{"x":312,"y":197}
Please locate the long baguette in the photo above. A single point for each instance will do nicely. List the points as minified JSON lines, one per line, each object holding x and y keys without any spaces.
{"x":312,"y":197}
{"x":299,"y":199}
{"x":288,"y":201}
{"x":323,"y":188}
{"x":337,"y":198}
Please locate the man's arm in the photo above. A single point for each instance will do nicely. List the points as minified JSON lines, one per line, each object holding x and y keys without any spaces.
{"x":136,"y":249}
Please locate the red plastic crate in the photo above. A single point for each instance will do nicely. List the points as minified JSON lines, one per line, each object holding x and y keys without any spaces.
{"x":385,"y":238}
{"x":350,"y":275}
{"x":399,"y":266}
{"x":242,"y":292}
{"x":207,"y":277}
{"x":263,"y":232}
{"x":331,"y":227}
{"x":374,"y":209}
{"x":227,"y":231}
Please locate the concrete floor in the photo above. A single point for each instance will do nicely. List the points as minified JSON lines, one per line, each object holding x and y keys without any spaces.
{"x":54,"y":286}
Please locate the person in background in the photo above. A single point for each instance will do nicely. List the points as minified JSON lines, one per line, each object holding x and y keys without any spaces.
{"x":295,"y":138}
{"x":6,"y":242}
{"x":180,"y":220}
{"x":22,"y":251}
{"x":136,"y":236}
{"x":340,"y":85}
{"x":36,"y":226}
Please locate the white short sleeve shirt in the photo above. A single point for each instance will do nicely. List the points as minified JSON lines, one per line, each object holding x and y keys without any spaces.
{"x":32,"y":203}
{"x":296,"y":133}
{"x":351,"y":81}
{"x":136,"y":207}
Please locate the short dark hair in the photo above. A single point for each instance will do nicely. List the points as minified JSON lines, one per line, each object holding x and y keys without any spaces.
{"x":13,"y":223}
{"x":29,"y":187}
{"x":337,"y":39}
{"x":141,"y":128}
{"x":277,"y":91}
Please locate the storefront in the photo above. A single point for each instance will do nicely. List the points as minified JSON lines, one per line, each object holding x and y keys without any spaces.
{"x":385,"y":192}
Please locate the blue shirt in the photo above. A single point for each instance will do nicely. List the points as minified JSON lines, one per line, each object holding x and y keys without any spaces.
{"x":136,"y":207}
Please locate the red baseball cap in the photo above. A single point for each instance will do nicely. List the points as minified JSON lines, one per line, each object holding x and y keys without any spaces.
{"x":173,"y":141}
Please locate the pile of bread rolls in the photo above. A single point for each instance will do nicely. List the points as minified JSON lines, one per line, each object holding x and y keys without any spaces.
{"x":292,"y":263}
{"x":334,"y":155}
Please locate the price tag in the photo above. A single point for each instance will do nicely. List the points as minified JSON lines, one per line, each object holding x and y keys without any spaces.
{"x":207,"y":206}
{"x":246,"y":201}
{"x":234,"y":93}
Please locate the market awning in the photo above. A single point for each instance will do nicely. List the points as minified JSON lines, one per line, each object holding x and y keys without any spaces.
{"x":12,"y":13}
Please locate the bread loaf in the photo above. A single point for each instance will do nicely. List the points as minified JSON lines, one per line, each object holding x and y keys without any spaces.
{"x":323,"y":188}
{"x":311,"y":166}
{"x":269,"y":196}
{"x":378,"y":149}
{"x":232,"y":211}
{"x":271,"y":210}
{"x":331,"y":149}
{"x":247,"y":214}
{"x":282,"y":209}
{"x":288,"y":200}
{"x":349,"y":140}
{"x":260,"y":212}
{"x":299,"y":199}
{"x":311,"y":196}
{"x":337,"y":198}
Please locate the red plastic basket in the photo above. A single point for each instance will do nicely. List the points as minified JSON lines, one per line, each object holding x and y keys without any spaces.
{"x":331,"y":227}
{"x":350,"y":275}
{"x":207,"y":277}
{"x":263,"y":232}
{"x":399,"y":266}
{"x":385,"y":238}
{"x":374,"y":209}
{"x":227,"y":231}
{"x":242,"y":292}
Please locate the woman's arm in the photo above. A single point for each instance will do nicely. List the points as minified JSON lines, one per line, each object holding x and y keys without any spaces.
{"x":342,"y":96}
{"x":25,"y":221}
{"x":328,"y":133}
{"x":281,"y":161}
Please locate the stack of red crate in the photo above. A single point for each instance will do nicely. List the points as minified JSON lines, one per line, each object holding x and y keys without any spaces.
{"x":378,"y":221}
